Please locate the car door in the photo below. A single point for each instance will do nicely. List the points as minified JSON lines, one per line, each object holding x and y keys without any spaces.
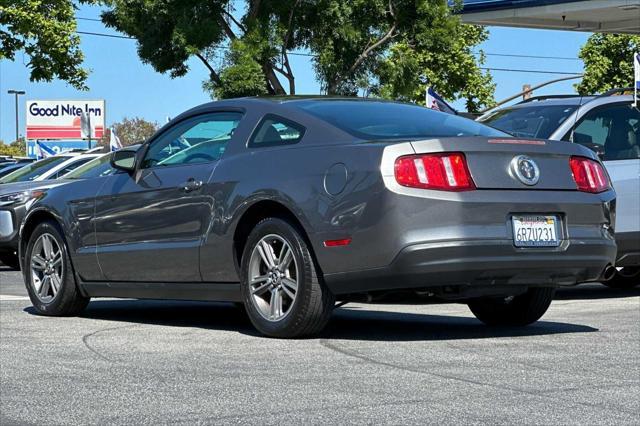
{"x":149,"y":224}
{"x":614,"y":131}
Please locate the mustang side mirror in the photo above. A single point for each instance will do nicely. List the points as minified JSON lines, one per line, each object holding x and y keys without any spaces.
{"x":124,"y":159}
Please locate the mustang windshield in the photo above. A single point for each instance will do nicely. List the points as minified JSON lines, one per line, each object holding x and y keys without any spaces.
{"x":374,"y":120}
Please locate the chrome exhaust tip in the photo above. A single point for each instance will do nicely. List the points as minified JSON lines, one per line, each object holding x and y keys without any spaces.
{"x":608,"y":273}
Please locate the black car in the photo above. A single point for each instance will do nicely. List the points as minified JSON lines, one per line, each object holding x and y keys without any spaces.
{"x":289,"y":205}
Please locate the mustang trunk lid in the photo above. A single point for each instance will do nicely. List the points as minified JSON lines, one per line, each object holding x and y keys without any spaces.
{"x":493,"y":162}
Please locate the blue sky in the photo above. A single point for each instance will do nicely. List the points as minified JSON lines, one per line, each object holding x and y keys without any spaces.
{"x":131,"y":88}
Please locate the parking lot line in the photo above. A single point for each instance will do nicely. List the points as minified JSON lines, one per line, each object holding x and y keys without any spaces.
{"x":12,"y":297}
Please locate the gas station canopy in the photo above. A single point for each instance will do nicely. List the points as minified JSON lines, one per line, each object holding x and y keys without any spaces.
{"x":599,"y":16}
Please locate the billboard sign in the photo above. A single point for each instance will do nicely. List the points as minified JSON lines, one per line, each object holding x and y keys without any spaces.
{"x":47,"y":119}
{"x":56,"y":146}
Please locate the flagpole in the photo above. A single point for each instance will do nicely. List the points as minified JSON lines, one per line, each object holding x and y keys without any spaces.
{"x":89,"y":125}
{"x":636,"y":83}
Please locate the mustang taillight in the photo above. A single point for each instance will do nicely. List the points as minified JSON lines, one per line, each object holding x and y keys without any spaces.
{"x":443,"y":171}
{"x":589,"y":175}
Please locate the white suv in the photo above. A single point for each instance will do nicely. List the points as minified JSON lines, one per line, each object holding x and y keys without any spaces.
{"x":50,"y":167}
{"x":609,"y":125}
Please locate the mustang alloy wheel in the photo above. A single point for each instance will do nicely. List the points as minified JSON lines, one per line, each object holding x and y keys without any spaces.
{"x":49,"y":275}
{"x":281,"y":289}
{"x":273,"y":277}
{"x":46,"y":267}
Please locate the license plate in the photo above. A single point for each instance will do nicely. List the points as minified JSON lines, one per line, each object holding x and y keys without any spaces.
{"x":535,"y":231}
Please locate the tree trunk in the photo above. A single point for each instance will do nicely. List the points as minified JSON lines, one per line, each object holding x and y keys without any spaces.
{"x":274,"y":86}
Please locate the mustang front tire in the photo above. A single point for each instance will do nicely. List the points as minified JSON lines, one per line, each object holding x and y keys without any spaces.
{"x":48,"y":273}
{"x":518,"y":310}
{"x":281,"y":289}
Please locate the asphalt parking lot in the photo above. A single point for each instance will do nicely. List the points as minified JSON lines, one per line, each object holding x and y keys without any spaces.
{"x":149,"y":362}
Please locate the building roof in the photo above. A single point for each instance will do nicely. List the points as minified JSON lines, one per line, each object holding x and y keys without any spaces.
{"x":606,"y":16}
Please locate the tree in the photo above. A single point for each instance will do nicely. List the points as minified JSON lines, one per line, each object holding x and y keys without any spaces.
{"x":608,"y":62}
{"x":134,"y":130}
{"x":45,"y":30}
{"x":415,"y":44}
{"x":15,"y":148}
{"x":170,"y":32}
{"x":354,"y":44}
{"x":453,"y":71}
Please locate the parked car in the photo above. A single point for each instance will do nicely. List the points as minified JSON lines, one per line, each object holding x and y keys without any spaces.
{"x":610,"y":126}
{"x":15,"y":199}
{"x":291,"y":204}
{"x":7,"y":160}
{"x":10,"y":168}
{"x":50,"y":168}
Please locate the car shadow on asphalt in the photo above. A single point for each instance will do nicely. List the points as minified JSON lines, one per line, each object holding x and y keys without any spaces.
{"x":362,"y":324}
{"x":354,"y":322}
{"x":595,"y":291}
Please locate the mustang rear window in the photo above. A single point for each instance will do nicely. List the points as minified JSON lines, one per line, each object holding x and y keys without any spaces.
{"x":387,"y":120}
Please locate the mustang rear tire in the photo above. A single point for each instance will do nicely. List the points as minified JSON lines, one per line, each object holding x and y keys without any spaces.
{"x":626,"y":278}
{"x":281,"y":289}
{"x":519,"y":310}
{"x":48,"y":273}
{"x":10,"y":260}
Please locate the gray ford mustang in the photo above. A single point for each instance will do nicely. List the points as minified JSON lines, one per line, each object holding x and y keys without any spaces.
{"x":290,"y":205}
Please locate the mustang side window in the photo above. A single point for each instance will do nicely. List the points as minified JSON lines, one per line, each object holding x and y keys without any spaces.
{"x":198,"y":140}
{"x":274,"y":131}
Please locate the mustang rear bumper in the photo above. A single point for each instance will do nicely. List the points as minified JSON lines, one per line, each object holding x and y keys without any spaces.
{"x":482,"y":263}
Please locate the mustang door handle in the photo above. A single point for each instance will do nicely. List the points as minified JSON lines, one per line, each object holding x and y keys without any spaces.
{"x":192,"y":185}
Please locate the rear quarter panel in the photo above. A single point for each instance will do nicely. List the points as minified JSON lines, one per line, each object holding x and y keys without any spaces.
{"x":294,"y":176}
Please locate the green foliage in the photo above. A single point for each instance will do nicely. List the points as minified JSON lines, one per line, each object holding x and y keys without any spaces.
{"x":412,"y":43}
{"x":134,"y":130}
{"x":15,"y":148}
{"x":608,"y":61}
{"x":242,"y":77}
{"x":388,"y":47}
{"x":45,"y":31}
{"x":452,"y":70}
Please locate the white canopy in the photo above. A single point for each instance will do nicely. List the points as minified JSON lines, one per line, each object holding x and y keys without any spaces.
{"x":605,"y":16}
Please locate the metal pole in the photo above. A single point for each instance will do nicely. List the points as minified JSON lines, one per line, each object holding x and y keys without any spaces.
{"x":546,"y":83}
{"x":16,"y":93}
{"x":89,"y":126}
{"x":17,"y":122}
{"x":636,"y":83}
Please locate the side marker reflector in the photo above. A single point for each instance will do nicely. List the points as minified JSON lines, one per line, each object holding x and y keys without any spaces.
{"x":337,"y":243}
